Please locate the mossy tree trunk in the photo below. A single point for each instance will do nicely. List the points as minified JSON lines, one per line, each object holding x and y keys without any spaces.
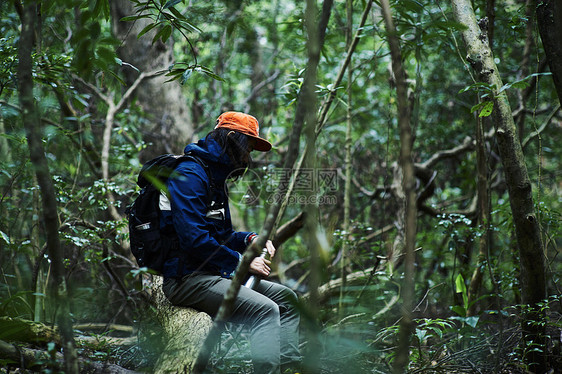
{"x":531,"y":255}
{"x":407,"y":189}
{"x":32,"y":124}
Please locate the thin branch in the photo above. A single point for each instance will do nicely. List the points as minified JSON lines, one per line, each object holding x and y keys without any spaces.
{"x":538,"y":131}
{"x":112,"y":110}
{"x":92,"y":87}
{"x":260,"y":85}
{"x":134,"y":86}
{"x":327,"y":104}
{"x":467,"y":145}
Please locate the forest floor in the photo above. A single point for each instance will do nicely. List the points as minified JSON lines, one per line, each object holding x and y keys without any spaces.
{"x":487,"y":348}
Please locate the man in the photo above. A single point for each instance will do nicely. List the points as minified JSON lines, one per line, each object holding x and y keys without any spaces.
{"x":211,"y":250}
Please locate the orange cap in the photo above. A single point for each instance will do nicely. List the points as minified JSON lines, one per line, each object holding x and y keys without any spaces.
{"x":246,"y":124}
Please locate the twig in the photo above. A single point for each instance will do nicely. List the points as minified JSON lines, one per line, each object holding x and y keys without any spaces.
{"x":260,"y":85}
{"x":326,"y":105}
{"x":537,"y":132}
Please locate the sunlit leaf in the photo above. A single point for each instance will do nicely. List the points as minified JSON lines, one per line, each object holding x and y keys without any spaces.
{"x":487,"y":109}
{"x":5,"y":237}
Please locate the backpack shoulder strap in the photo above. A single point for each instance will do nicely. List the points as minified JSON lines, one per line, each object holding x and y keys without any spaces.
{"x":157,"y":170}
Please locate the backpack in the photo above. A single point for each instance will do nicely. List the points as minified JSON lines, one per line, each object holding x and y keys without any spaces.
{"x":152,"y":245}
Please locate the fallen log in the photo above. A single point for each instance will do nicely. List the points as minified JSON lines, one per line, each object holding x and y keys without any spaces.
{"x":26,"y":331}
{"x":40,"y":360}
{"x":184,"y":329}
{"x":101,"y":328}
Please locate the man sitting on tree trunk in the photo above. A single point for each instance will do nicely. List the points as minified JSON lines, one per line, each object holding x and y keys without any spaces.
{"x":210,"y":249}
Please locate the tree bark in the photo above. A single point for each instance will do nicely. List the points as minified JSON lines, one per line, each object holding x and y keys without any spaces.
{"x":408,"y":188}
{"x":483,"y":219}
{"x":32,"y":124}
{"x":313,"y":230}
{"x":533,"y":279}
{"x":183,"y":328}
{"x":162,"y":101}
{"x":549,"y":20}
{"x":347,"y":160}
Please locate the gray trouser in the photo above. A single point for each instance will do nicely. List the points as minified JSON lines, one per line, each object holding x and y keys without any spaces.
{"x":269,"y":311}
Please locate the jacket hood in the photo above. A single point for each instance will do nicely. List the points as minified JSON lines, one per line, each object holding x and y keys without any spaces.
{"x":211,"y":152}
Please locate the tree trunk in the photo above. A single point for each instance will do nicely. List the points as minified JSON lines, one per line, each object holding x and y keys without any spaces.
{"x":533,"y":279}
{"x":313,"y":230}
{"x":347,"y":162}
{"x":408,"y":188}
{"x":32,"y":124}
{"x":162,"y":101}
{"x":549,"y":20}
{"x":483,"y":219}
{"x":184,"y":329}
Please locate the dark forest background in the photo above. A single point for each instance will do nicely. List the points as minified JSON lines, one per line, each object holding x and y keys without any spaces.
{"x":91,"y":89}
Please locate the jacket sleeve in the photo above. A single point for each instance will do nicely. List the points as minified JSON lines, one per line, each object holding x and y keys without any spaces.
{"x":188,"y":196}
{"x":240,"y":240}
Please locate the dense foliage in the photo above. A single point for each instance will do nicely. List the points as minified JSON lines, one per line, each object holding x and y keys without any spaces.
{"x":250,"y":56}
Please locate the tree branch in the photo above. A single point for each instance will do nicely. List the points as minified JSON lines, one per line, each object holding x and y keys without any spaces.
{"x":260,"y":85}
{"x":327,"y":104}
{"x":289,"y":229}
{"x":538,"y":131}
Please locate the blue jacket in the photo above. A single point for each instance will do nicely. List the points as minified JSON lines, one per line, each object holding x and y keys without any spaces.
{"x":207,"y":241}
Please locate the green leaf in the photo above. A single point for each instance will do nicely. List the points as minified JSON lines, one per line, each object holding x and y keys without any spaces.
{"x":185,"y":76}
{"x":147,"y":29}
{"x":484,"y":108}
{"x":171,"y":3}
{"x":129,"y":18}
{"x":163,"y":34}
{"x":211,"y":73}
{"x":106,"y":54}
{"x":460,"y":287}
{"x":521,"y":83}
{"x":447,"y":25}
{"x":476,"y":86}
{"x":412,"y":5}
{"x":421,"y":334}
{"x":166,"y":33}
{"x":487,"y":109}
{"x":472,"y":321}
{"x":476,"y":107}
{"x":119,"y":79}
{"x":101,"y":7}
{"x":5,"y":237}
{"x":177,"y":14}
{"x":459,"y":310}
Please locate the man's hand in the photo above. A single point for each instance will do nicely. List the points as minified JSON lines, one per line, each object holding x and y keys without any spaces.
{"x":270,"y":248}
{"x":260,"y":265}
